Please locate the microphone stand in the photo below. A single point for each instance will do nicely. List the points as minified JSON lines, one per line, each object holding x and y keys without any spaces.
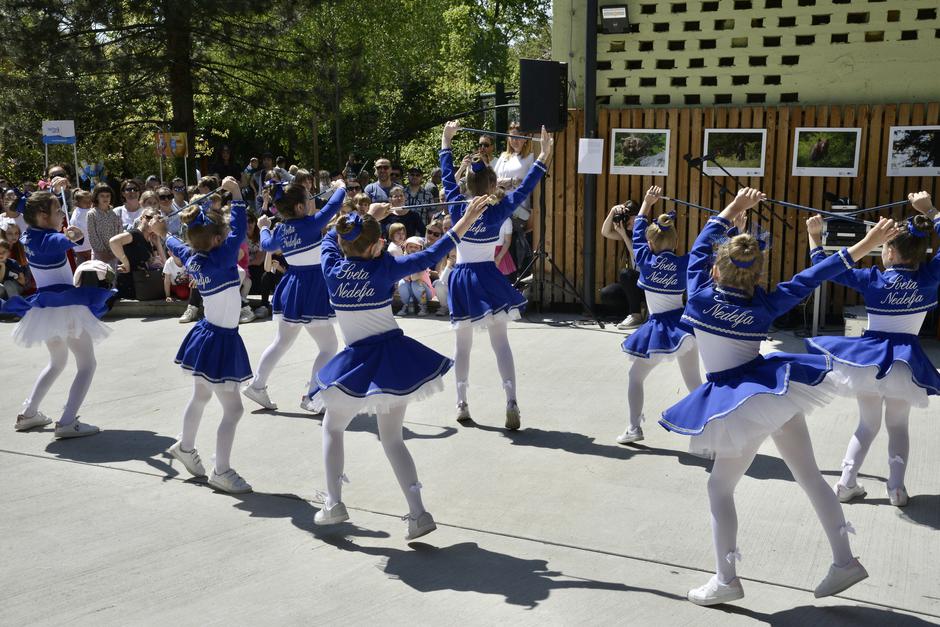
{"x":739,"y":185}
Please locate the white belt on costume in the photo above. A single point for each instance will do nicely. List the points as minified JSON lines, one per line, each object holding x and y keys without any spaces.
{"x":360,"y":324}
{"x":657,"y":302}
{"x":223,"y":308}
{"x":309,"y":257}
{"x":907,"y":323}
{"x":722,"y":353}
{"x":52,"y":275}
{"x":475,"y":252}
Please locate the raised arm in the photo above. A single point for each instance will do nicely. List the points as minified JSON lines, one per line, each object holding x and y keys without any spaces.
{"x":268,"y":238}
{"x":322,"y":217}
{"x":789,"y":293}
{"x":449,"y":181}
{"x":922,"y":204}
{"x":238,"y":225}
{"x":699,"y":272}
{"x":179,"y":248}
{"x":330,"y":252}
{"x":416,"y":262}
{"x":853,"y":278}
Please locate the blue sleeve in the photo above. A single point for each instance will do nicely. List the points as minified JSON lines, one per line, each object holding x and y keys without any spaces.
{"x":178,"y":248}
{"x":238,"y":226}
{"x":451,"y":189}
{"x":322,"y":217}
{"x":330,"y":252}
{"x":400,"y":267}
{"x":699,"y":274}
{"x":789,"y":293}
{"x":641,"y":248}
{"x":270,"y":239}
{"x":933,"y":267}
{"x":58,"y":243}
{"x":856,"y":279}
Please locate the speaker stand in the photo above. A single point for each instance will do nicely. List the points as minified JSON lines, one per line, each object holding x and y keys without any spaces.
{"x":540,"y":256}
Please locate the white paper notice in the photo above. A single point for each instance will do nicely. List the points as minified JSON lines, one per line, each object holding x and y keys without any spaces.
{"x":590,"y":155}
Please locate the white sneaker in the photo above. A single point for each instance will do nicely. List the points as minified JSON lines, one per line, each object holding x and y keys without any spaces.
{"x":631,"y":322}
{"x":24,"y":423}
{"x":262,"y":312}
{"x":190,"y":315}
{"x":847,"y":494}
{"x":898,"y":497}
{"x":313,"y":405}
{"x":840,"y":579}
{"x":630,"y":435}
{"x":715,"y":592}
{"x":512,"y":416}
{"x":422,"y":311}
{"x":260,"y":396}
{"x":331,"y":515}
{"x":463,"y":412}
{"x":75,"y":429}
{"x":420,"y":526}
{"x":246,"y":315}
{"x":442,"y":312}
{"x":229,"y":481}
{"x":189,"y":459}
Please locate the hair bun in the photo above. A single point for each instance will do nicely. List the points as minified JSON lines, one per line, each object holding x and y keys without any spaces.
{"x":665,"y":221}
{"x":343,"y":226}
{"x":922,"y":223}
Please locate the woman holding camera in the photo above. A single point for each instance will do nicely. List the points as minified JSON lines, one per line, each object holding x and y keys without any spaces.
{"x":618,"y":226}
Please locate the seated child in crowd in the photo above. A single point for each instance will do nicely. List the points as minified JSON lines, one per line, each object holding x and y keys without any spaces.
{"x":81,"y":200}
{"x":415,"y":289}
{"x":396,"y":239}
{"x":12,"y":275}
{"x":175,"y":280}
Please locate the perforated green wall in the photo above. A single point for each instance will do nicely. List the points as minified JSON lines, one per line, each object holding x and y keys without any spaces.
{"x":757,"y":52}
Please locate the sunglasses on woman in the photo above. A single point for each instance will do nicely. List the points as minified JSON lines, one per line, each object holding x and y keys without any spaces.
{"x":165,"y":196}
{"x":131,"y":190}
{"x":434,"y":233}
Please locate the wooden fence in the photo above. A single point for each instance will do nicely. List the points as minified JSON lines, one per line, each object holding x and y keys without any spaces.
{"x":564,"y":238}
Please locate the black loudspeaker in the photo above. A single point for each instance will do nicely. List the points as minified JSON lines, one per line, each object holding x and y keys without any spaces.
{"x":543,"y":95}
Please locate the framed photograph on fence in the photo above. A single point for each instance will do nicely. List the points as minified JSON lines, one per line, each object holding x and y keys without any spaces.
{"x":741,"y":151}
{"x":914,"y":151}
{"x":826,"y":151}
{"x":639,"y":151}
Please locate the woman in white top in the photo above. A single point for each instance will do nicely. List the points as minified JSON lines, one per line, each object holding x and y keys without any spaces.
{"x":130,"y":210}
{"x":512,"y":166}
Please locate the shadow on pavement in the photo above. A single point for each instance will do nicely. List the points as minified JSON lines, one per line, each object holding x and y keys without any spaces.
{"x":300,"y":513}
{"x":362,"y":423}
{"x":763,"y":467}
{"x":830,"y":616}
{"x":923,"y":509}
{"x":117,"y":445}
{"x":467,"y":567}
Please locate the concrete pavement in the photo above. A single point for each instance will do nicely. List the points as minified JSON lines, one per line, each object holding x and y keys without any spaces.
{"x":555,"y":524}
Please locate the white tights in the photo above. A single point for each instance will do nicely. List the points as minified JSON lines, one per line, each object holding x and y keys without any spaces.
{"x":84,"y":350}
{"x":232,"y":410}
{"x":795,"y":447}
{"x":390,"y":433}
{"x":284,"y":337}
{"x":641,"y":368}
{"x":896,"y":414}
{"x":499,"y":340}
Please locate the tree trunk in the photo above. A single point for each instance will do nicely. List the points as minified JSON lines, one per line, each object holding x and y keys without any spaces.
{"x":179,"y":43}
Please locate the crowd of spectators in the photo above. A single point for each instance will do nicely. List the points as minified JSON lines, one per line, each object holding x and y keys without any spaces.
{"x":126,"y":223}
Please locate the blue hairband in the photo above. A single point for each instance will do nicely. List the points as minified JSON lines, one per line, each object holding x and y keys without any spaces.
{"x":21,"y":201}
{"x":477,"y":165}
{"x":913,"y":230}
{"x":763,"y":243}
{"x":672,"y":216}
{"x":356,"y":221}
{"x":277,"y":189}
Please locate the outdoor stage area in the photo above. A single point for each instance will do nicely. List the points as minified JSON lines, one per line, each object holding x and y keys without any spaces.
{"x":554,"y":524}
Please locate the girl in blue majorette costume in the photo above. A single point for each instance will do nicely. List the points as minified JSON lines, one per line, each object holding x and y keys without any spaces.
{"x":748,"y":397}
{"x":381,"y":370}
{"x":63,"y":317}
{"x":301,"y":300}
{"x":664,"y":335}
{"x":213,"y":351}
{"x":886,"y":369}
{"x":478,"y":295}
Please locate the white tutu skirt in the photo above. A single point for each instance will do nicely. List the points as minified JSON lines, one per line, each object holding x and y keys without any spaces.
{"x":41,"y":324}
{"x":759,"y":417}
{"x":898,"y":383}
